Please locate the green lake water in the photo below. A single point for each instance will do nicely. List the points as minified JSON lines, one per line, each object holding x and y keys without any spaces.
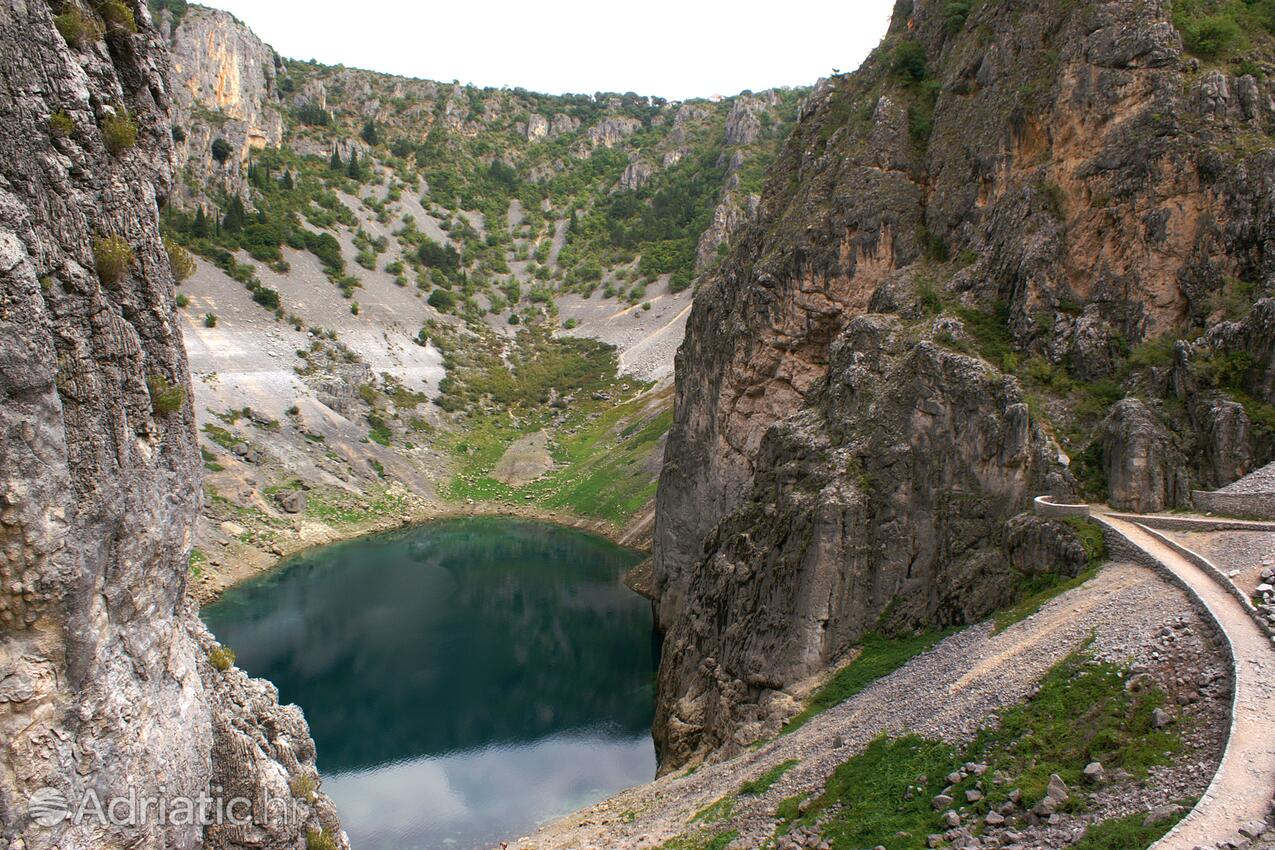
{"x":464,"y":680}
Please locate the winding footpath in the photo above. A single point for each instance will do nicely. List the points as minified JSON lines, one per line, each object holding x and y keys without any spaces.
{"x":1241,"y":792}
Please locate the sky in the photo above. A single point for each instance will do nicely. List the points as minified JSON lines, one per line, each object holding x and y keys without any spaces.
{"x":675,"y":49}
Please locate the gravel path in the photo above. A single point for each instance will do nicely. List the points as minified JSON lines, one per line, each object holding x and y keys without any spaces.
{"x":1242,"y":789}
{"x":947,"y":693}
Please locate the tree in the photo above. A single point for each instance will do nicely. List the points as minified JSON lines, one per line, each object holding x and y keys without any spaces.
{"x":200,"y":228}
{"x":354,"y":171}
{"x":370,"y":135}
{"x":443,"y":257}
{"x":335,"y":163}
{"x":221,"y":150}
{"x":236,"y":216}
{"x":287,"y":180}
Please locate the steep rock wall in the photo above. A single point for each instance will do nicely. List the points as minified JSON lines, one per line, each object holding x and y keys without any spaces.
{"x":105,"y":680}
{"x":1061,"y":171}
{"x":225,"y":88}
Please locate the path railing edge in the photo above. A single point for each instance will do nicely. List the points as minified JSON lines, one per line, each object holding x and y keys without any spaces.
{"x":1125,"y":548}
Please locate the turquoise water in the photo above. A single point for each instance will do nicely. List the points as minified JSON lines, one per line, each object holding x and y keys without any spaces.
{"x":464,"y":680}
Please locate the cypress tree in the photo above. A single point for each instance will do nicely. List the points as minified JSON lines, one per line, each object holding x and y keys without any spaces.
{"x":200,"y":227}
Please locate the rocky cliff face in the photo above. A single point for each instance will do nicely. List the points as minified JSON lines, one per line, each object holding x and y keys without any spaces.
{"x":1031,"y":191}
{"x":225,"y":88}
{"x":107,"y":690}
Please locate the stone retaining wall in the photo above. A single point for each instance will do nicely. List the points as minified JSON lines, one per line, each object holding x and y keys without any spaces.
{"x":1216,"y":572}
{"x":1185,"y":523}
{"x":1046,"y":507}
{"x":1121,"y":548}
{"x":1258,"y":505}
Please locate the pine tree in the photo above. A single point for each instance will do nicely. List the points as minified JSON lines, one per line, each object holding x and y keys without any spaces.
{"x":335,"y":164}
{"x":354,"y":171}
{"x":370,"y":135}
{"x":287,"y":180}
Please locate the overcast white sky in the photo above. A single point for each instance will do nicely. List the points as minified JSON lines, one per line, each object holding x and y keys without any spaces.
{"x":671,"y":48}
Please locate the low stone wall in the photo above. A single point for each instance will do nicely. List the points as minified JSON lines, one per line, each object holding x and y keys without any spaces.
{"x":1121,"y":548}
{"x":1046,"y":507}
{"x":1190,"y":523}
{"x":1257,"y":505}
{"x":1216,"y":572}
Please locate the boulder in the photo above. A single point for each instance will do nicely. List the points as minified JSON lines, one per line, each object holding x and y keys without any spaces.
{"x":292,"y":501}
{"x":1145,"y":471}
{"x":1037,"y":546}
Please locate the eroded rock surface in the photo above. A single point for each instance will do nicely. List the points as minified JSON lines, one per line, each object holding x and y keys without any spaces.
{"x":1072,"y":191}
{"x":106,"y":681}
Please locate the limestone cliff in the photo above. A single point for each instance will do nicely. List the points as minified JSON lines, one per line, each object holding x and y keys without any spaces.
{"x":106,"y":680}
{"x":1044,"y":196}
{"x":225,"y":88}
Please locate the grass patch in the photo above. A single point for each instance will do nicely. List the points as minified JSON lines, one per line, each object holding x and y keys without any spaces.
{"x":714,"y":812}
{"x":762,"y":784}
{"x":1126,"y":832}
{"x":601,"y":451}
{"x":1081,"y":713}
{"x":112,"y":256}
{"x":197,"y":561}
{"x":867,"y":798}
{"x":879,"y":656}
{"x":221,"y":437}
{"x":166,"y":397}
{"x":701,"y":841}
{"x":1034,"y":592}
{"x":119,"y":132}
{"x":338,"y":507}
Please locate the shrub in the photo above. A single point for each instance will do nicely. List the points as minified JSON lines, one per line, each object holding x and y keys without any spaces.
{"x":221,"y":150}
{"x":354,"y":308}
{"x":442,"y":300}
{"x":60,"y":125}
{"x":317,"y":839}
{"x":210,"y":320}
{"x":183,"y":301}
{"x":112,"y":256}
{"x":119,"y":132}
{"x":266,"y":297}
{"x":223,"y":658}
{"x":75,"y":27}
{"x":909,"y":61}
{"x":303,"y":786}
{"x":166,"y":397}
{"x":183,"y":264}
{"x":954,"y":15}
{"x":1212,"y":36}
{"x":117,"y":16}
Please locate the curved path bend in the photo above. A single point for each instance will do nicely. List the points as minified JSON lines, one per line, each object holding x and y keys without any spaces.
{"x":1242,"y":789}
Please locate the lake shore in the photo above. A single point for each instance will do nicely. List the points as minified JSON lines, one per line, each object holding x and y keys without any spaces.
{"x":230,"y":561}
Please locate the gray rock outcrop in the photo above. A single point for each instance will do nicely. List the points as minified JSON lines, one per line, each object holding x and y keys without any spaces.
{"x":1145,"y":472}
{"x":108,"y":684}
